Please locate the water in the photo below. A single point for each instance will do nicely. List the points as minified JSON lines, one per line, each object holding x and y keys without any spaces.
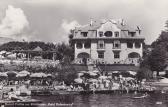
{"x":103,"y":100}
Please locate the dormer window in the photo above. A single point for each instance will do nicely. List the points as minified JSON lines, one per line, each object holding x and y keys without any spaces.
{"x":108,"y":33}
{"x":100,"y":34}
{"x":116,"y":34}
{"x":132,"y":34}
{"x":84,"y":34}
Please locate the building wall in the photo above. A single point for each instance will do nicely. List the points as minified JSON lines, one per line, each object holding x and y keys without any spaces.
{"x":109,"y":51}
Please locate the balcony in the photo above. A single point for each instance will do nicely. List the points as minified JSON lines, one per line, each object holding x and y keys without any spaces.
{"x":116,"y":48}
{"x":101,"y":48}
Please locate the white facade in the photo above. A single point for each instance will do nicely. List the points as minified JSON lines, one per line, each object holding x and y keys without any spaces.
{"x":109,"y":43}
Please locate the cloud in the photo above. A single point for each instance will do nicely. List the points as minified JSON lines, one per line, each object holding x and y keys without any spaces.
{"x":68,"y":26}
{"x":46,"y":15}
{"x":14,"y":24}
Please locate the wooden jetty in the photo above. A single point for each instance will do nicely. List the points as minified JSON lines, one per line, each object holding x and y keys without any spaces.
{"x":114,"y":91}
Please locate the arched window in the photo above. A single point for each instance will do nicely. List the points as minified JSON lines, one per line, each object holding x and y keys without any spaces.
{"x":108,"y":34}
{"x":133,"y":55}
{"x":83,"y":55}
{"x":79,"y":45}
{"x":129,"y":45}
{"x":87,"y":45}
{"x":137,"y":45}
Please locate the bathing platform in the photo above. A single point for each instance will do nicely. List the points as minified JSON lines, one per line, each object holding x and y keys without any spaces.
{"x":114,"y":91}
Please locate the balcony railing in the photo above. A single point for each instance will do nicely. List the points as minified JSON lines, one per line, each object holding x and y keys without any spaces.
{"x":101,"y":48}
{"x":117,"y":47}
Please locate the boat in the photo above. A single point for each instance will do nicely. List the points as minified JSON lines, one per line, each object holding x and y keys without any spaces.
{"x":140,"y":97}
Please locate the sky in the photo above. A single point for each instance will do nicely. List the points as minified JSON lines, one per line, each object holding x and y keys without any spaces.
{"x":51,"y":20}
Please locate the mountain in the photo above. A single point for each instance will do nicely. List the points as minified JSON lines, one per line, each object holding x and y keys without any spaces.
{"x":5,"y":40}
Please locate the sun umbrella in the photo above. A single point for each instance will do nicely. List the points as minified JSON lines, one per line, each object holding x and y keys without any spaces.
{"x":103,"y":77}
{"x":78,"y":80}
{"x":95,"y":71}
{"x":92,"y":73}
{"x":21,"y":75}
{"x":83,"y":71}
{"x":129,"y":78}
{"x":9,"y":73}
{"x":24,"y":72}
{"x":3,"y":74}
{"x":115,"y":71}
{"x":164,"y":80}
{"x":93,"y":80}
{"x":2,"y":52}
{"x":50,"y":75}
{"x":80,"y":74}
{"x":132,"y":72}
{"x":39,"y":75}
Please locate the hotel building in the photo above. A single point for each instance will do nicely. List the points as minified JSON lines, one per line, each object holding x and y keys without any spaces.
{"x":108,"y":42}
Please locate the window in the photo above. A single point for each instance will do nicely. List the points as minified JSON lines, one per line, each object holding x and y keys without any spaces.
{"x":100,"y":54}
{"x":132,"y":34}
{"x":87,"y":45}
{"x":137,"y":45}
{"x":108,"y":34}
{"x":84,"y":34}
{"x":129,"y":45}
{"x":116,"y":34}
{"x":116,"y":54}
{"x":133,"y":55}
{"x":101,"y":34}
{"x":116,"y":45}
{"x":100,"y":44}
{"x":79,"y":45}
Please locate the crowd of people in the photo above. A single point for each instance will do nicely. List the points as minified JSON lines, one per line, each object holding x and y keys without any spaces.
{"x":108,"y":82}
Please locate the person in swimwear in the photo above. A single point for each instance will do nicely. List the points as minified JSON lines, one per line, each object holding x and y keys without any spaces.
{"x":12,"y":95}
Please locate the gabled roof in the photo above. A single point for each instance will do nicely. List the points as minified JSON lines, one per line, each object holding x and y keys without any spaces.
{"x":97,"y":24}
{"x":37,"y":49}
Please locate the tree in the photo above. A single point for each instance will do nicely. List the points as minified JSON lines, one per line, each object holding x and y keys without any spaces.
{"x":166,"y":25}
{"x":157,"y":59}
{"x":71,"y":43}
{"x":64,"y":52}
{"x":144,"y":73}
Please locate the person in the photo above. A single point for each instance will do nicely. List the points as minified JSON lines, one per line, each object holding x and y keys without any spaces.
{"x":135,"y":92}
{"x":12,"y":95}
{"x":146,"y":94}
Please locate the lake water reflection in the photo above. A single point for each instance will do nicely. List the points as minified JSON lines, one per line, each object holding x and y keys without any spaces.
{"x":105,"y":100}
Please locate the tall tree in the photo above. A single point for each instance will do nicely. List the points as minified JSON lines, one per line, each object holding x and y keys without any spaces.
{"x":166,"y":25}
{"x":157,"y":59}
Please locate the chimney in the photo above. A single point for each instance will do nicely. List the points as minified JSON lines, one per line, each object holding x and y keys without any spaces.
{"x":139,"y":30}
{"x":122,"y":22}
{"x":91,"y":21}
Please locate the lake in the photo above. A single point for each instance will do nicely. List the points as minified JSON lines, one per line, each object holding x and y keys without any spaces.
{"x":104,"y":100}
